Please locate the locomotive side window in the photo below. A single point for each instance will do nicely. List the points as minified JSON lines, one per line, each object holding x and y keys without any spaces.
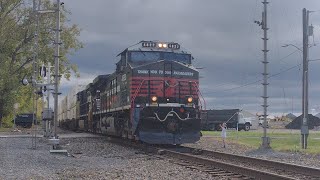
{"x":110,"y":88}
{"x":121,"y":63}
{"x":116,"y":85}
{"x":123,"y":59}
{"x":118,"y":69}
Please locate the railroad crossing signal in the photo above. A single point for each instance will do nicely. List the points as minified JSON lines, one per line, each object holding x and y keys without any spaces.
{"x":43,"y":71}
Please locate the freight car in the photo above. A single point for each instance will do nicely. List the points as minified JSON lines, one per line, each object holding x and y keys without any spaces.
{"x":68,"y":111}
{"x":153,"y":96}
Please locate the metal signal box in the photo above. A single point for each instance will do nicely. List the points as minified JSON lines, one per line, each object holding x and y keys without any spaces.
{"x":47,"y":114}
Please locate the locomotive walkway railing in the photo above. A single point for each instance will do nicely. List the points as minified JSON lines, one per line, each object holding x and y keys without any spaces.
{"x":133,"y":99}
{"x":136,"y":93}
{"x":199,"y":92}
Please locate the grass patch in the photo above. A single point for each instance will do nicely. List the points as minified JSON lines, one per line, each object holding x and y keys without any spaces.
{"x":280,"y":141}
{"x":2,"y":129}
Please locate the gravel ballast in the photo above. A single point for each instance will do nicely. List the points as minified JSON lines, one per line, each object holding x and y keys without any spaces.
{"x":93,"y":157}
{"x":89,"y":158}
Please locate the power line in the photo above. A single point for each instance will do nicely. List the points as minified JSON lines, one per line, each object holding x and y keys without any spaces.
{"x":250,"y":83}
{"x":297,"y":65}
{"x":254,"y":82}
{"x":280,"y":60}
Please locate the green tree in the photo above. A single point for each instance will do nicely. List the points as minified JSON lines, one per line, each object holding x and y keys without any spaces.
{"x":17,"y":37}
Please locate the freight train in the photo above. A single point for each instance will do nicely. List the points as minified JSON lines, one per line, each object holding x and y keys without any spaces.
{"x":152,"y":96}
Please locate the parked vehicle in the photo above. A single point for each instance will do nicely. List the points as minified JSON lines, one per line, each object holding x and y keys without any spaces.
{"x":235,"y":118}
{"x":261,"y":119}
{"x":24,"y":120}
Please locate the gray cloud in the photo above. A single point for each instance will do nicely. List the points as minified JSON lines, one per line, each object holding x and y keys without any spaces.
{"x":220,"y":34}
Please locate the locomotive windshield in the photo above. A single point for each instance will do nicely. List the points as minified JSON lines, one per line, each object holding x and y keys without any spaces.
{"x":185,"y":58}
{"x":136,"y":56}
{"x":144,"y":56}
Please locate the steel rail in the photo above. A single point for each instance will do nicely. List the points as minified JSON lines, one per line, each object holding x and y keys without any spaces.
{"x":310,"y":171}
{"x":254,"y":173}
{"x":209,"y":163}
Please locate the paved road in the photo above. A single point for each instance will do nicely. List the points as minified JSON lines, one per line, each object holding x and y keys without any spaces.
{"x":75,"y":135}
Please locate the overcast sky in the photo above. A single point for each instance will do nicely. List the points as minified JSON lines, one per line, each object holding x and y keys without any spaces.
{"x":222,"y":37}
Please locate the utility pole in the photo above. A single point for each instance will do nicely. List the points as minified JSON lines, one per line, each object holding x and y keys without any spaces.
{"x":56,"y":67}
{"x":55,"y":140}
{"x":35,"y":84}
{"x":265,"y":140}
{"x":304,"y":126}
{"x":48,"y":128}
{"x":36,"y":8}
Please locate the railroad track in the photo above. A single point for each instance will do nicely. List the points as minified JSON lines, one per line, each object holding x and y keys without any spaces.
{"x":224,"y":165}
{"x":218,"y":168}
{"x":240,"y":167}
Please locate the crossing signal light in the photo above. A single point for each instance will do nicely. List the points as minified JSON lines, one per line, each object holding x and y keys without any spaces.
{"x":43,"y":71}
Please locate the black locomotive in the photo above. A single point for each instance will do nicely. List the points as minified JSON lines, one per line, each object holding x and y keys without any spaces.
{"x":152,"y":96}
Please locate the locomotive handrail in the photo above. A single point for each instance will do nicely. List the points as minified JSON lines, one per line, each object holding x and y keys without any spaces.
{"x":136,"y":92}
{"x":199,"y":92}
{"x":162,"y":120}
{"x":134,"y":97}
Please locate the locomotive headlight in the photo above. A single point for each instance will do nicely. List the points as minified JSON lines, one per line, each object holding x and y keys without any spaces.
{"x":160,"y":45}
{"x":165,"y":45}
{"x":190,"y":99}
{"x":154,"y":98}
